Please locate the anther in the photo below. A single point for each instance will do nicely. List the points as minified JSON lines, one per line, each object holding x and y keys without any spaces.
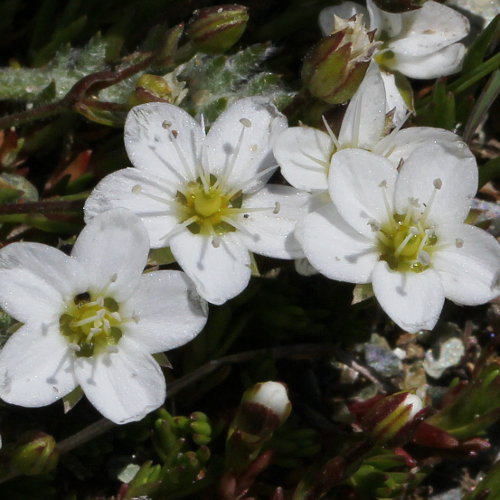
{"x":383,"y":184}
{"x":438,"y":183}
{"x":166,"y":124}
{"x":277,"y":208}
{"x":246,"y":122}
{"x":113,"y":278}
{"x":137,"y":189}
{"x":459,"y":243}
{"x":111,"y":349}
{"x":215,"y":241}
{"x":373,"y":226}
{"x":424,"y":258}
{"x":175,"y":134}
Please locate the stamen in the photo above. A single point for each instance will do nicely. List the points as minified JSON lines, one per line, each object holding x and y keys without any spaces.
{"x":413,"y":232}
{"x":333,"y":137}
{"x":137,"y":189}
{"x":277,"y":208}
{"x":222,"y":180}
{"x":180,"y":153}
{"x":424,"y":258}
{"x":244,"y":185}
{"x":437,"y":183}
{"x":459,"y":243}
{"x":324,"y":164}
{"x":423,"y":242}
{"x":388,"y":208}
{"x":179,"y":227}
{"x":246,"y":122}
{"x":374,"y":226}
{"x":239,"y":227}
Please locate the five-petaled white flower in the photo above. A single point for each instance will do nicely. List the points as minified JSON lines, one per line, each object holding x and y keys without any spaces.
{"x":420,"y":43}
{"x":93,"y":319}
{"x":206,"y":196}
{"x":403,"y":231}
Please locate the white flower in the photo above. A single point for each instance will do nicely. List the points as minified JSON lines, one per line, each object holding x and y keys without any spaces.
{"x":93,"y":320}
{"x":206,"y":197}
{"x":404,"y":232}
{"x":306,"y":155}
{"x":420,"y":43}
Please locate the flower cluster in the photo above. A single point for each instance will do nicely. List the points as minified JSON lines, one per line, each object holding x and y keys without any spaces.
{"x":373,"y":205}
{"x":420,"y":43}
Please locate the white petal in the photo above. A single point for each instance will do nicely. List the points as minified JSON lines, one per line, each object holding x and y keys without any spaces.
{"x":124,"y":386}
{"x":450,"y":164}
{"x":399,"y":145}
{"x":429,"y":29}
{"x":357,"y":180}
{"x":269,"y":233}
{"x":388,"y":23}
{"x":303,"y":154}
{"x":394,"y":100}
{"x":441,"y":63}
{"x":412,"y":300}
{"x":334,"y":248}
{"x":219,"y":273}
{"x":164,"y":140}
{"x":148,"y":196}
{"x":114,"y":248}
{"x":364,"y":120}
{"x":36,"y":366}
{"x":345,"y":10}
{"x":468,"y":264}
{"x":37,"y":280}
{"x":166,"y":311}
{"x":239,"y":144}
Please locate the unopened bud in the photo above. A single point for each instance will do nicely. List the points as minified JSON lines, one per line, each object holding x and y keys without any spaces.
{"x":154,"y":88}
{"x":216,"y":29}
{"x":390,"y":419}
{"x":37,"y":454}
{"x":263,"y":408}
{"x":271,"y":395}
{"x":335,"y":67}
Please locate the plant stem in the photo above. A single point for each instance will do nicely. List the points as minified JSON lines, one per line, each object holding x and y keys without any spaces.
{"x":84,"y":87}
{"x":41,"y":207}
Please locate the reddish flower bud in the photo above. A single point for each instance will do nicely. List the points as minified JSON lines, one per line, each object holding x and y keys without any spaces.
{"x":216,"y":29}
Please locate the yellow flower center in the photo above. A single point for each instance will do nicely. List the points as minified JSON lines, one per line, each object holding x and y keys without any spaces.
{"x":91,"y":324}
{"x":405,"y":244}
{"x":207,"y":208}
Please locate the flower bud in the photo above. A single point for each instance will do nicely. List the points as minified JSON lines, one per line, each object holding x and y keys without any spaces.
{"x":389,"y":419}
{"x":263,"y":408}
{"x":335,"y":67}
{"x":37,"y":454}
{"x":216,"y":29}
{"x":271,"y":395}
{"x":154,"y":88}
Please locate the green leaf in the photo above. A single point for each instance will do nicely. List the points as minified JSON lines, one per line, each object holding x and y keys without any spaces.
{"x":483,"y":104}
{"x":489,"y":171}
{"x":477,"y":51}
